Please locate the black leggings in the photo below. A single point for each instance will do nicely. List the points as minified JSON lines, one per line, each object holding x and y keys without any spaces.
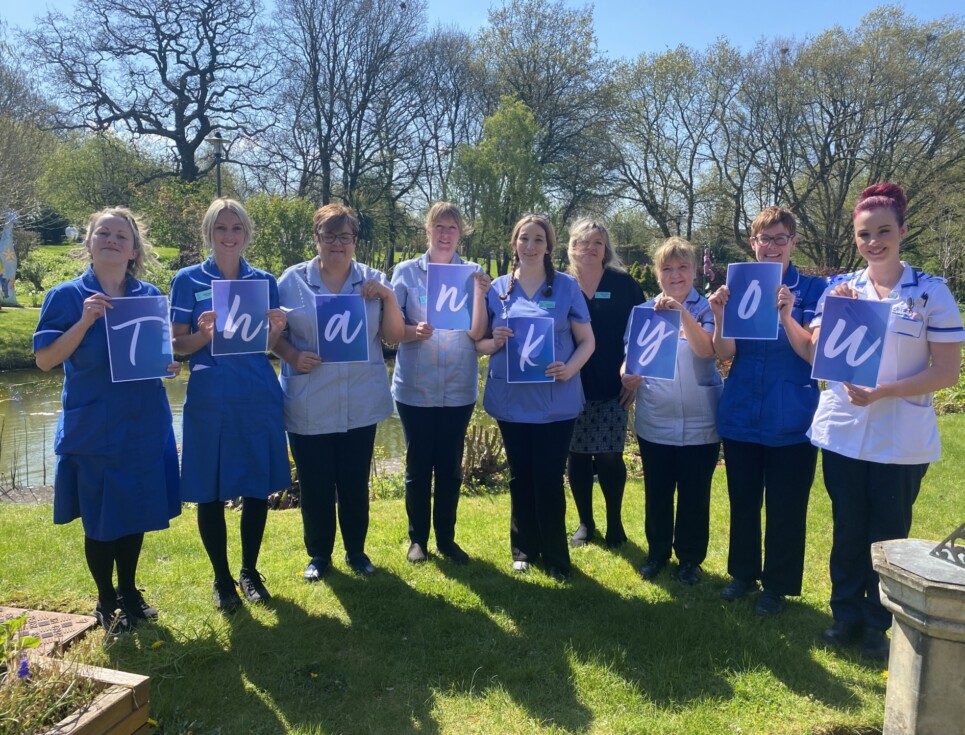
{"x":612,"y":473}
{"x":214,"y":534}
{"x":101,"y":559}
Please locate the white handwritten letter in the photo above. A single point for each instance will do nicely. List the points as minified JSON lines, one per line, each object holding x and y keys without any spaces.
{"x":528,"y":348}
{"x":338,"y":326}
{"x":650,"y":341}
{"x":234,"y":323}
{"x":450,"y":292}
{"x":835,"y":345}
{"x":137,"y":332}
{"x":750,"y":302}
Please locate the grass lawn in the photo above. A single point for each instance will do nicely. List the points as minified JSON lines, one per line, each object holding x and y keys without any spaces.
{"x":441,"y":648}
{"x":16,"y":343}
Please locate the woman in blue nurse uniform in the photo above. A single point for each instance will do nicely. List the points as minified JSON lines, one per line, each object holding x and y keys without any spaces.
{"x":434,"y":385}
{"x":332,"y":409}
{"x":536,"y":420}
{"x":763,"y":416}
{"x":234,"y":436}
{"x":876,"y":443}
{"x":117,"y":464}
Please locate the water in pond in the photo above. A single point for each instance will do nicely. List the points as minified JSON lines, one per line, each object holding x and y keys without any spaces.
{"x":29,"y":407}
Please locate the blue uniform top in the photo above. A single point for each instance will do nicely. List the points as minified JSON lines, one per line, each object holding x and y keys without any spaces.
{"x":769,"y":397}
{"x":234,"y":434}
{"x":536,"y":403}
{"x":442,"y":370}
{"x":117,"y":463}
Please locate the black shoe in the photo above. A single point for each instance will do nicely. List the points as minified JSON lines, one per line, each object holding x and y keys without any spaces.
{"x":737,"y":589}
{"x":416,"y":554}
{"x":651,"y":569}
{"x":842,"y":634}
{"x":875,"y":644}
{"x":557,"y":575}
{"x":582,"y":535}
{"x":225,"y":595}
{"x":316,"y":568}
{"x":251,"y":582}
{"x":112,"y":618}
{"x":134,"y":605}
{"x":770,"y":603}
{"x":615,"y":536}
{"x":360,"y":564}
{"x":453,"y":552}
{"x":689,"y":574}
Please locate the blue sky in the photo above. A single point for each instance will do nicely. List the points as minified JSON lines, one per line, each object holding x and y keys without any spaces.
{"x":626,"y":28}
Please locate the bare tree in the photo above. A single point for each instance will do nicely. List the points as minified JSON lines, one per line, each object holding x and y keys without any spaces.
{"x":167,"y":71}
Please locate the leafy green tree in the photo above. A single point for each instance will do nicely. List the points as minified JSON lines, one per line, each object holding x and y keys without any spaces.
{"x":283,"y":231}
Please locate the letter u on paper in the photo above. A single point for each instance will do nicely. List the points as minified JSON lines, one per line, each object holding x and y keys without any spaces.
{"x":852,"y":340}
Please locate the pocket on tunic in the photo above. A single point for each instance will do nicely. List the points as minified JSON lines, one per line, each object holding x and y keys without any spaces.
{"x":85,"y":431}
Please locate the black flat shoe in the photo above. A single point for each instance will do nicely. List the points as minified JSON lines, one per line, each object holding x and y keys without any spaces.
{"x":689,"y":574}
{"x":416,"y":554}
{"x":770,"y":603}
{"x":842,"y":634}
{"x":134,"y":605}
{"x":112,"y":618}
{"x":875,"y":644}
{"x":360,"y":564}
{"x":651,"y":569}
{"x":582,"y":535}
{"x":615,"y":537}
{"x":453,"y":552}
{"x":737,"y":589}
{"x":226,"y":597}
{"x":251,"y":583}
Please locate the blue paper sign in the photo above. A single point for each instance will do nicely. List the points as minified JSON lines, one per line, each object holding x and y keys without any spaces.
{"x":652,"y":346}
{"x":851,"y":341}
{"x":342,"y":324}
{"x":242,"y":323}
{"x":138,"y":338}
{"x":530,"y":350}
{"x":751,"y":311}
{"x":449,"y":289}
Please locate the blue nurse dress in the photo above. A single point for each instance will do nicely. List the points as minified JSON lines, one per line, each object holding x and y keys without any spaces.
{"x":117,"y":463}
{"x":234,"y":435}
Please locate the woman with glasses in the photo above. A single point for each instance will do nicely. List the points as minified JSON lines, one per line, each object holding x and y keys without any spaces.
{"x":225,"y":455}
{"x":763,"y":416}
{"x":434,"y":384}
{"x":601,"y":427}
{"x":876,"y":443}
{"x":536,"y":419}
{"x":332,"y":408}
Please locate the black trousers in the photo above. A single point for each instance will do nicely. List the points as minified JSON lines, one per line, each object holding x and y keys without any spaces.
{"x":870,"y":502}
{"x":333,"y":470}
{"x":434,"y":441}
{"x":537,"y":460}
{"x":779,"y":479}
{"x":688,"y":470}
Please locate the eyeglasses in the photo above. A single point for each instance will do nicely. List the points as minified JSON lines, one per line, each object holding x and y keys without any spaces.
{"x":583,"y":246}
{"x":330,"y":239}
{"x":537,"y":215}
{"x":780,"y":241}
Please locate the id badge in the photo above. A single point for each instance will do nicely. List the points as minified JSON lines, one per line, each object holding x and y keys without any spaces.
{"x":907,"y":326}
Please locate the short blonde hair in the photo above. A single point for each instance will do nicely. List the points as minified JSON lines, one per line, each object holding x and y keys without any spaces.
{"x":674,"y":248}
{"x":581,"y":230}
{"x":443,"y":210}
{"x":143,"y":252}
{"x":211,"y":217}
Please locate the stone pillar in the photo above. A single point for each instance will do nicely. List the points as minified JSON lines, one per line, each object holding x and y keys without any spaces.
{"x":926,"y":668}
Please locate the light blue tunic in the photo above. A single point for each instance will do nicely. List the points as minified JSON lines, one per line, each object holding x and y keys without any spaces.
{"x":117,"y":463}
{"x":536,"y":403}
{"x":334,"y":397}
{"x":439,"y":371}
{"x":234,"y":437}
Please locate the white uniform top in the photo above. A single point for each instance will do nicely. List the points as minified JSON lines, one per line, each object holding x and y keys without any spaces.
{"x":892,"y":430}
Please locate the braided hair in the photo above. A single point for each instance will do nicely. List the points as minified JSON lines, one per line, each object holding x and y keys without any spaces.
{"x":543,"y":221}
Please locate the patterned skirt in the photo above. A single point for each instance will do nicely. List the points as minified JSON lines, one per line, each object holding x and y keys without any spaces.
{"x":600,"y":428}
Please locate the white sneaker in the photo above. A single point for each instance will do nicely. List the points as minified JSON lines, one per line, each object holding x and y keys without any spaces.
{"x":520,"y":566}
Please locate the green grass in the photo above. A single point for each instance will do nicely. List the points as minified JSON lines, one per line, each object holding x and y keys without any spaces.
{"x":445,"y":649}
{"x":17,"y":327}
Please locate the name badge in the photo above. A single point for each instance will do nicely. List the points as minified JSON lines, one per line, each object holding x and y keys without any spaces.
{"x":422,"y":299}
{"x":908,"y":326}
{"x":601,"y":295}
{"x":203,"y":295}
{"x":547,"y":304}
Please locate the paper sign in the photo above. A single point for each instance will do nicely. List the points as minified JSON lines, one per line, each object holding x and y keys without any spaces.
{"x":751,"y":311}
{"x":342,"y":324}
{"x":139,"y":338}
{"x":242,"y":323}
{"x":530,"y":350}
{"x":652,"y":345}
{"x":449,"y":290}
{"x":851,"y":341}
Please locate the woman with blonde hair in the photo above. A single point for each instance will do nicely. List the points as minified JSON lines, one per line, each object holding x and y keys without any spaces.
{"x":600,"y":432}
{"x":234,"y":438}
